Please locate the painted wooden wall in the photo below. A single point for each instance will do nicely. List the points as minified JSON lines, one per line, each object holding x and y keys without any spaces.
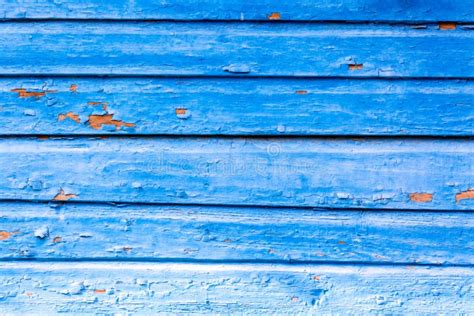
{"x":217,"y":156}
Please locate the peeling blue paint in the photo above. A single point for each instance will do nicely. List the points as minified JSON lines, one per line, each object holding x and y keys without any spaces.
{"x":235,"y":48}
{"x":229,"y":157}
{"x":297,"y":10}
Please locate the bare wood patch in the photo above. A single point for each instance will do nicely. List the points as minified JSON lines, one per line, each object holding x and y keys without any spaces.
{"x":23,"y":93}
{"x":447,"y":26}
{"x":274,"y":16}
{"x":421,"y":197}
{"x":465,"y":195}
{"x":62,"y":196}
{"x":70,"y":115}
{"x":353,"y":67}
{"x":97,"y":121}
{"x":5,"y":235}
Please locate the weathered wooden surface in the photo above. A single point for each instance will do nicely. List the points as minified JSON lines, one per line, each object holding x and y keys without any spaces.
{"x":364,"y":173}
{"x":245,"y":288}
{"x":326,"y":10}
{"x":234,"y":48}
{"x":235,"y":106}
{"x":156,"y":138}
{"x":89,"y":231}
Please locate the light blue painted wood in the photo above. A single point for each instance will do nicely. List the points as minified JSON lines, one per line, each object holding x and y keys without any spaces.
{"x":142,"y":288}
{"x":175,"y":82}
{"x":354,"y":10}
{"x":90,"y":231}
{"x":234,"y":106}
{"x":230,"y":49}
{"x":338,"y":173}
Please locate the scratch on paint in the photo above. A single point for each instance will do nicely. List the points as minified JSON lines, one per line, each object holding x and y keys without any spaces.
{"x":421,"y":197}
{"x":465,"y":195}
{"x":23,"y":93}
{"x":62,"y":196}
{"x":301,"y":92}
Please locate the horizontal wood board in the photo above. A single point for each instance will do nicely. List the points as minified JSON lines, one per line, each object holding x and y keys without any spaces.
{"x":243,"y":289}
{"x":337,"y":173}
{"x":236,"y":106}
{"x":190,"y":233}
{"x":296,"y":10}
{"x":234,"y":49}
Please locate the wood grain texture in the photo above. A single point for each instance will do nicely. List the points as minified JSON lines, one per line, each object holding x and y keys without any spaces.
{"x":234,"y":48}
{"x":83,"y":231}
{"x":364,"y":173}
{"x":235,"y":106}
{"x":242,"y":289}
{"x":353,"y":10}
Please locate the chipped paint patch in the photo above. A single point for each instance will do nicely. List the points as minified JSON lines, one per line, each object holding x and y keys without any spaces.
{"x":62,"y":196}
{"x":23,"y":93}
{"x":5,"y":235}
{"x":73,"y":87}
{"x":97,"y":121}
{"x":99,"y":291}
{"x":57,"y":239}
{"x":71,"y":115}
{"x":42,"y":232}
{"x":421,"y":197}
{"x":447,"y":26}
{"x":274,"y":16}
{"x":353,"y":67}
{"x":182,"y":113}
{"x":465,"y":195}
{"x":237,"y":69}
{"x":103,"y":104}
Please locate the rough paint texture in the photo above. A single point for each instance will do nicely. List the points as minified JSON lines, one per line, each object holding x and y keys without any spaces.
{"x":316,"y":172}
{"x":326,"y":10}
{"x":146,"y":288}
{"x":231,"y":233}
{"x":236,"y":106}
{"x":237,"y":157}
{"x":235,"y":49}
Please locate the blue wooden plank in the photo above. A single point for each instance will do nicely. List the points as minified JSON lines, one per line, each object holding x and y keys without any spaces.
{"x":235,"y":106}
{"x":354,"y":10}
{"x":230,"y":49}
{"x":82,"y":231}
{"x":147,"y":288}
{"x":364,"y":173}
